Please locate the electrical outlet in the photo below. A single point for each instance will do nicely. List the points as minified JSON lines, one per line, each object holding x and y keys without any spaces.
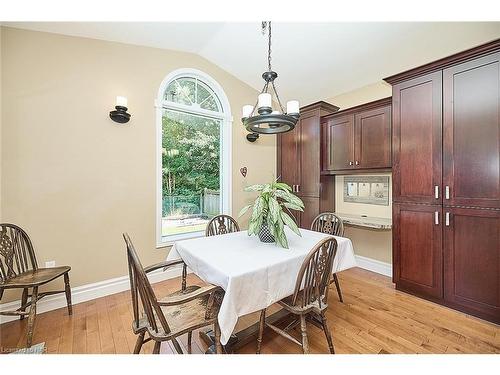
{"x":49,"y":264}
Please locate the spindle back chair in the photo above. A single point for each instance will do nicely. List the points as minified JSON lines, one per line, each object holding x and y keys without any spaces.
{"x":310,"y":297}
{"x":19,"y":270}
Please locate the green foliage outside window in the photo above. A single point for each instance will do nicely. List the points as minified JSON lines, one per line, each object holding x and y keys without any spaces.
{"x":190,"y":158}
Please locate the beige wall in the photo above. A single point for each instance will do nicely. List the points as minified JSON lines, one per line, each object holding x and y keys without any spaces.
{"x":75,"y":179}
{"x":1,"y":124}
{"x":369,"y":243}
{"x":362,"y":95}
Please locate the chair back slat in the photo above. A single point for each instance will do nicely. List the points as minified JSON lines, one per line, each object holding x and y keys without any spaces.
{"x":142,"y":291}
{"x":329,"y":223}
{"x":16,"y":252}
{"x":221,"y":224}
{"x":314,"y":275}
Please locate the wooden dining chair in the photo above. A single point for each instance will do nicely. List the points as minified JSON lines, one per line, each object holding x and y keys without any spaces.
{"x":329,"y":223}
{"x":174,"y":315}
{"x":310,"y":298}
{"x":221,"y":224}
{"x":19,"y":270}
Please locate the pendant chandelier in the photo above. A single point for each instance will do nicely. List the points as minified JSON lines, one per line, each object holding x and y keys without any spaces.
{"x":267,"y":120}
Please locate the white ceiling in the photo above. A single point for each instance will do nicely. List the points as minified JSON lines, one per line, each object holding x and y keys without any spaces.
{"x":315,"y":61}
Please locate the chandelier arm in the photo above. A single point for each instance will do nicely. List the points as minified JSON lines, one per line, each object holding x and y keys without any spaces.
{"x":277,"y":97}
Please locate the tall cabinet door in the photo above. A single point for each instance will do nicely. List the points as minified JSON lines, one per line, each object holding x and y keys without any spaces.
{"x":417,"y":249}
{"x":289,"y":154}
{"x":417,"y":140}
{"x":340,"y":143}
{"x":309,"y":154}
{"x":471,"y":93}
{"x":373,"y":138}
{"x":311,"y":210}
{"x":472,"y":261}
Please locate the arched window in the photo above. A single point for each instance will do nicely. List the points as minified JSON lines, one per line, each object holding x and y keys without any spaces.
{"x":193,"y":154}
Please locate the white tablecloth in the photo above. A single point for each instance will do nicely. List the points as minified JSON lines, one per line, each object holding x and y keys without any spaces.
{"x":253,"y":274}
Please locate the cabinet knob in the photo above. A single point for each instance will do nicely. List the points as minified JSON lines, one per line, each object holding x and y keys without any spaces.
{"x":357,"y":162}
{"x":350,"y":163}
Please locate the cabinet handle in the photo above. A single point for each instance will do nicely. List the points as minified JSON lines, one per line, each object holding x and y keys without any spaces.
{"x":350,"y":163}
{"x":447,"y":219}
{"x":447,"y":192}
{"x":298,"y":189}
{"x":293,"y":188}
{"x":436,"y":191}
{"x":436,"y":218}
{"x":357,"y":162}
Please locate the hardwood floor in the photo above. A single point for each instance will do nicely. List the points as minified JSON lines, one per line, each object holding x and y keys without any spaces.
{"x":375,"y":318}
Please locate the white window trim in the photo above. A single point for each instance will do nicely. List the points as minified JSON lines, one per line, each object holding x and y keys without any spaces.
{"x":226,"y":145}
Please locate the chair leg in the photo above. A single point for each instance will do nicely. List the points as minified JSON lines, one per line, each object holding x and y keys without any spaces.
{"x":177,"y":347}
{"x":156,"y":349}
{"x":328,"y":334}
{"x":32,"y":316}
{"x":139,"y":342}
{"x":303,"y":330}
{"x":218,"y":346}
{"x":190,"y":340}
{"x":337,"y":285}
{"x":24,"y":300}
{"x":261,"y":329}
{"x":184,"y":276}
{"x":67,"y":290}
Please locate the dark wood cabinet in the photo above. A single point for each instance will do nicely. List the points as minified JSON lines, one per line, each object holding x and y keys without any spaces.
{"x":311,"y":210}
{"x":358,"y":138}
{"x":298,"y":163}
{"x":339,"y":143}
{"x":289,"y":158}
{"x":417,"y":140}
{"x":471,"y":97}
{"x":472,"y":261}
{"x":446,"y":163}
{"x":309,"y":184}
{"x":372,"y":134}
{"x":417,"y":248}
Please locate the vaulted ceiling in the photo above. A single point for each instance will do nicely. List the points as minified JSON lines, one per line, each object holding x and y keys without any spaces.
{"x":314,"y":60}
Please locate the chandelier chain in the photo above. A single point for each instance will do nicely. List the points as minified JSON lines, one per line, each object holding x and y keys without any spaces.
{"x":269,"y":47}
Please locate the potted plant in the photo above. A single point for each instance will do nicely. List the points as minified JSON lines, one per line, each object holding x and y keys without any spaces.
{"x":268,"y":217}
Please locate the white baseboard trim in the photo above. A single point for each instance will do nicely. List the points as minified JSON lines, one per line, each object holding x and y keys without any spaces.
{"x":87,"y":292}
{"x":374,"y":265}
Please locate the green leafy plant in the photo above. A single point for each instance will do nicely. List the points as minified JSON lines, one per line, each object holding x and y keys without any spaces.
{"x":269,"y":208}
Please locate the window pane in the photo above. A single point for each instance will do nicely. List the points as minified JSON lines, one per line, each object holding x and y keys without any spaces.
{"x":191,"y":172}
{"x":182,"y":90}
{"x":210,"y":104}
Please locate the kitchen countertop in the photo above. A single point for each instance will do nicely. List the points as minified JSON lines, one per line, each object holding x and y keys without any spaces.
{"x":372,"y":222}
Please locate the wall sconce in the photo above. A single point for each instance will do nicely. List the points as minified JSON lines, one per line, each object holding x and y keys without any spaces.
{"x":252,"y":137}
{"x":120,"y":113}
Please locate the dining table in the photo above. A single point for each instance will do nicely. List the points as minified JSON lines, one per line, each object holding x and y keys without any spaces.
{"x":253,"y":274}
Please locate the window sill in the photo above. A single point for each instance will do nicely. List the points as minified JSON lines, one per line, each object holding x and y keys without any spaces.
{"x":168,"y":241}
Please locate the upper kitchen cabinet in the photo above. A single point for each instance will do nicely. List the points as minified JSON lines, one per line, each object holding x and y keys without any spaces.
{"x":357,"y":139}
{"x":417,"y":140}
{"x":298,"y":154}
{"x":298,"y":163}
{"x":471,"y":131}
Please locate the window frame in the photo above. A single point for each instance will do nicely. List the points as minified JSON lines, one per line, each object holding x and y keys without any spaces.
{"x":225,"y":150}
